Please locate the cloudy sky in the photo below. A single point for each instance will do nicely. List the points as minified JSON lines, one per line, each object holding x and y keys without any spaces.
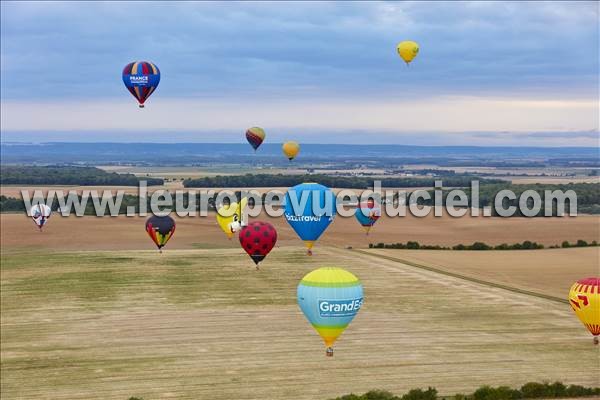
{"x":488,"y":73}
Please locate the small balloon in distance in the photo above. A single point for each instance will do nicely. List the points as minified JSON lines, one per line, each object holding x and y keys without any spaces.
{"x":255,"y":136}
{"x":407,"y":50}
{"x":291,"y":150}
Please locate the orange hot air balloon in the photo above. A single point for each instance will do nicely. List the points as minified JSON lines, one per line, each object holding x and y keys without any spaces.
{"x":584,"y":298}
{"x":291,"y":150}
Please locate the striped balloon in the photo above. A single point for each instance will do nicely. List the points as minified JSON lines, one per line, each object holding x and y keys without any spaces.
{"x":141,"y":79}
{"x":160,"y":230}
{"x":584,"y":298}
{"x":330,"y":297}
{"x":255,"y":136}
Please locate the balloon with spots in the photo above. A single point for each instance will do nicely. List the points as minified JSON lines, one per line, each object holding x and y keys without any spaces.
{"x":258,"y":239}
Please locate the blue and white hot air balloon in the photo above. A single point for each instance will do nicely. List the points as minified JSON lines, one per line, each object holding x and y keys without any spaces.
{"x":309,"y":209}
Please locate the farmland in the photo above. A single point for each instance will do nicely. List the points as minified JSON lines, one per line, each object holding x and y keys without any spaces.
{"x":91,"y":311}
{"x":205,"y":324}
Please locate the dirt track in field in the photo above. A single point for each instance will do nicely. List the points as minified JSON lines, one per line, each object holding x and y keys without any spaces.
{"x":548,"y":272}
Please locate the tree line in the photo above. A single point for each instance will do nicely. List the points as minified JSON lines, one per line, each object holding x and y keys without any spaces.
{"x":525,"y":245}
{"x":69,"y":175}
{"x":531,"y":390}
{"x":346,"y":182}
{"x":588,"y":196}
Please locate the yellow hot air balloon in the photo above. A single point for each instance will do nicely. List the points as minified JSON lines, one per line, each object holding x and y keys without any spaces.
{"x":408,"y":50}
{"x":584,"y":298}
{"x":230,"y":217}
{"x":291,"y":150}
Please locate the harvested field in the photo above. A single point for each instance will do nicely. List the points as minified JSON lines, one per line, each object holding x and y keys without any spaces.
{"x":115,"y":233}
{"x":193,"y":324}
{"x":550,"y":271}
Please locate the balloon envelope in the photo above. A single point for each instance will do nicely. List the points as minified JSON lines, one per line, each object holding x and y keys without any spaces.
{"x":141,"y":79}
{"x":160,"y":229}
{"x":309,"y":209}
{"x":330,"y":297}
{"x":230,"y":217}
{"x":584,"y":298}
{"x":367,"y":213}
{"x":258,"y":239}
{"x":40,"y":214}
{"x":255,"y":136}
{"x":407,"y":50}
{"x":291,"y":150}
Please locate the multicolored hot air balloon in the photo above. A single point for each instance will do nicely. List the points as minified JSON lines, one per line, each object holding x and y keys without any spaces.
{"x":291,"y":150}
{"x":160,"y":230}
{"x":39,"y":214}
{"x":230,"y":217}
{"x":258,"y":239}
{"x":255,"y":137}
{"x":330,"y":298}
{"x":367,"y":213}
{"x":309,"y":209}
{"x":408,"y":50}
{"x":584,"y":298}
{"x":141,"y":79}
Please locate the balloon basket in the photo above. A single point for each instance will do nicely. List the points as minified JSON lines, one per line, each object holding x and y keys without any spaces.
{"x":596,"y":340}
{"x":329,"y":352}
{"x":141,"y":106}
{"x":309,"y":252}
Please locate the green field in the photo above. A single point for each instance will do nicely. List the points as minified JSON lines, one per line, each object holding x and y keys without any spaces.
{"x":204,"y":324}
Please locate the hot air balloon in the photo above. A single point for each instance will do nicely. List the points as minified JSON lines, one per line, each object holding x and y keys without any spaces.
{"x":367,"y":213}
{"x":255,"y":137}
{"x":160,"y":229}
{"x":40,"y":214}
{"x":407,"y":50}
{"x":141,"y":79}
{"x":330,"y":297}
{"x":309,"y":209}
{"x":584,"y":298}
{"x":230,"y":217}
{"x":291,"y":150}
{"x":258,"y":239}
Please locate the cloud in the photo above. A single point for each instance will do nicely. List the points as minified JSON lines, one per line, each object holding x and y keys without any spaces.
{"x":303,"y":66}
{"x":77,"y":50}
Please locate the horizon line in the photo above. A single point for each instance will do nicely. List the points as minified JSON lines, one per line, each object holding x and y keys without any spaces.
{"x":2,"y":142}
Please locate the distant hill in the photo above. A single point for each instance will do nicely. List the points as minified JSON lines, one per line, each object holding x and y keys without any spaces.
{"x":61,"y":175}
{"x":384,"y":156}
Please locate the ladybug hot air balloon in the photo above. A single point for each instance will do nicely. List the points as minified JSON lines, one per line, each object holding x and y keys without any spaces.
{"x":141,"y":79}
{"x":584,"y":299}
{"x":330,"y":298}
{"x":255,"y":137}
{"x":258,"y":239}
{"x":160,"y":230}
{"x":367,"y":213}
